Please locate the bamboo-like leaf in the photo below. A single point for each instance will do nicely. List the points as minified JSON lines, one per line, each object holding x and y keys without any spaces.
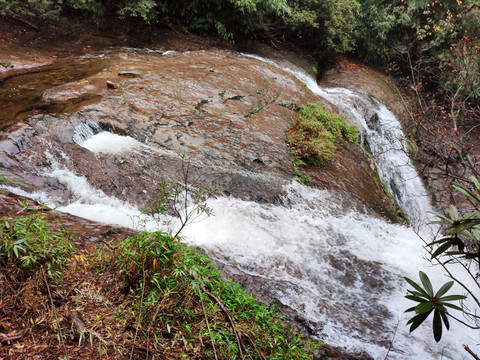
{"x":437,"y":326}
{"x":467,"y":192}
{"x":426,"y":283}
{"x":444,"y":289}
{"x":476,"y":183}
{"x":439,"y":306}
{"x":452,"y":298}
{"x":442,"y":240}
{"x":439,"y":222}
{"x":463,"y":225}
{"x":470,"y":215}
{"x":416,"y":293}
{"x":453,"y":212}
{"x":474,"y":235}
{"x":415,"y":298}
{"x":417,"y":287}
{"x":441,"y":249}
{"x":453,"y":306}
{"x":441,"y":216}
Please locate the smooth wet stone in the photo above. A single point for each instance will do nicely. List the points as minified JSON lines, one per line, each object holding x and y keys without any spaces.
{"x":231,"y":122}
{"x":130,"y":73}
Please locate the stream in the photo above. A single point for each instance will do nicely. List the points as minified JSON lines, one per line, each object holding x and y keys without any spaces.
{"x":337,"y":266}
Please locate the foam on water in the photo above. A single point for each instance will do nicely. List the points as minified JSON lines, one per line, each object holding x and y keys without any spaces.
{"x":317,"y":253}
{"x":108,"y":143}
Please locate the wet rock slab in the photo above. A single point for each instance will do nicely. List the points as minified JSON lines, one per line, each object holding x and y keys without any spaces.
{"x":225,"y":111}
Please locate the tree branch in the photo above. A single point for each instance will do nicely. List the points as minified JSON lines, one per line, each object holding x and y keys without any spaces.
{"x":467,"y":349}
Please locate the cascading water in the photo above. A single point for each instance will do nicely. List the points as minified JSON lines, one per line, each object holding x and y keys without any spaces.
{"x":338,"y":269}
{"x":91,"y":136}
{"x":386,"y":141}
{"x":383,"y":133}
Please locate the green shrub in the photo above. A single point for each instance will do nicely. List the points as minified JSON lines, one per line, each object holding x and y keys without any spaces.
{"x":298,"y":173}
{"x":314,"y":132}
{"x":179,"y":294}
{"x":26,"y":243}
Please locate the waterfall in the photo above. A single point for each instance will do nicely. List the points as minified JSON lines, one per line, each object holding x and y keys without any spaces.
{"x":386,"y":141}
{"x":382,"y":131}
{"x":91,"y":136}
{"x":86,"y":131}
{"x":338,"y":269}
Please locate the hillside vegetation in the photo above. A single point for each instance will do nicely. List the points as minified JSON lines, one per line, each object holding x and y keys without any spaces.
{"x":142,"y":296}
{"x":431,"y":48}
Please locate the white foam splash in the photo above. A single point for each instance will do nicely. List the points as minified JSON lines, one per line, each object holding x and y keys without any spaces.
{"x":108,"y":143}
{"x":91,"y":136}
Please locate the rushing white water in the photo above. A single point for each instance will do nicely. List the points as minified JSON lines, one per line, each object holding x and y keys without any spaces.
{"x":340,"y":270}
{"x":91,"y":136}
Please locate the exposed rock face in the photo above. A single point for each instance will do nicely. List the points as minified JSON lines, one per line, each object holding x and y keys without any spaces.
{"x":366,"y":81}
{"x":222,"y":109}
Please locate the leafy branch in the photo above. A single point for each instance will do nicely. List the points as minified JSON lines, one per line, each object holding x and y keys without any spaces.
{"x":429,"y":302}
{"x":186,"y":202}
{"x":460,"y":246}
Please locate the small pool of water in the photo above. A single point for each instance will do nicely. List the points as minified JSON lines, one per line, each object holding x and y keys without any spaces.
{"x":20,"y":93}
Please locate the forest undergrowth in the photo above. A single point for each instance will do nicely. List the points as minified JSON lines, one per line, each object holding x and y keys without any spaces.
{"x":142,"y":296}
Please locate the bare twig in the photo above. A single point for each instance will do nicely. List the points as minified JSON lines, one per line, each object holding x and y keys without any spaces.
{"x":393,"y":338}
{"x":208,"y":326}
{"x":467,"y":349}
{"x":8,"y":339}
{"x":463,"y":322}
{"x":33,"y":26}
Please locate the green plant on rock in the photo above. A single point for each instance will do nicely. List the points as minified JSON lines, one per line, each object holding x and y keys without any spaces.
{"x":199,"y":104}
{"x":298,"y":173}
{"x":314,"y":132}
{"x":186,"y":202}
{"x":7,"y":179}
{"x":3,"y":179}
{"x":429,"y":302}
